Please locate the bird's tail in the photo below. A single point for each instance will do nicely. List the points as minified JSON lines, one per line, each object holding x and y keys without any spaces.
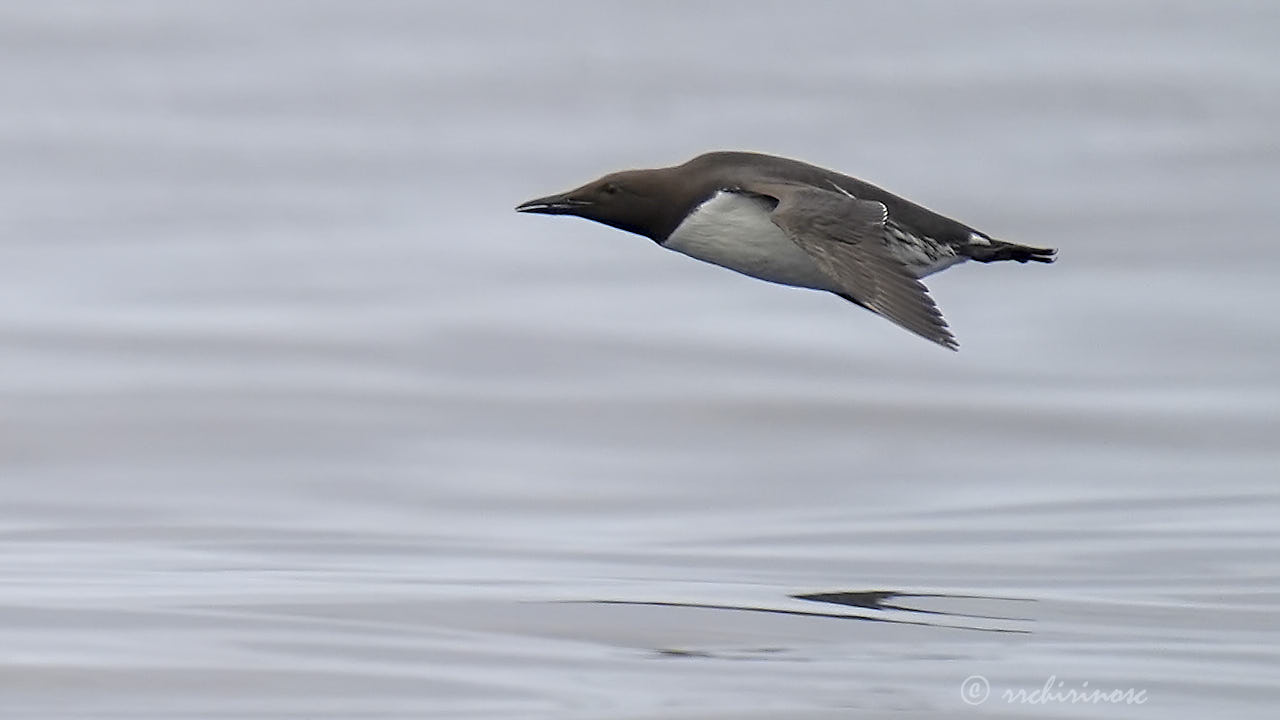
{"x":997,"y":250}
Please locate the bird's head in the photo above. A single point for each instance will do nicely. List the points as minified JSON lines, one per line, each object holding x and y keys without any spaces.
{"x":632,"y":200}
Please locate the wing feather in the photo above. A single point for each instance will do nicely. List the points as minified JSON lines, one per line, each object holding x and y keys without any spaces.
{"x":845,"y":236}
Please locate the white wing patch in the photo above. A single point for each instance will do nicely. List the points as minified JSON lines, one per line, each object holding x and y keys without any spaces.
{"x":839,"y":189}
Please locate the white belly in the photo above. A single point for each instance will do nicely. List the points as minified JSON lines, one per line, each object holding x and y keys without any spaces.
{"x":734,"y":231}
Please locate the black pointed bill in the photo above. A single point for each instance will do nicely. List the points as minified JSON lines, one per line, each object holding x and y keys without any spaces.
{"x":553,"y":205}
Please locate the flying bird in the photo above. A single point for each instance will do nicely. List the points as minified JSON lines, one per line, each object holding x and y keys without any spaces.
{"x":795,"y":224}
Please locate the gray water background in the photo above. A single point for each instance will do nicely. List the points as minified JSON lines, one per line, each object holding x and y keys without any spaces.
{"x":298,"y":419}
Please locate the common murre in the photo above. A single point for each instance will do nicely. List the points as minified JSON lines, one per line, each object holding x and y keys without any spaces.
{"x":792,"y":223}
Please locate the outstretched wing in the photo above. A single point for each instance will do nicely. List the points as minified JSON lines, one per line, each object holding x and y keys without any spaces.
{"x":845,"y":237}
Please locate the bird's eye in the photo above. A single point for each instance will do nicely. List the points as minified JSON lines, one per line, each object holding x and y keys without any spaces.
{"x":609,"y":189}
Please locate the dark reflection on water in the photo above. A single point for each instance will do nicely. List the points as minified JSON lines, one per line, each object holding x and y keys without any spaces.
{"x":868,"y":600}
{"x":889,"y":600}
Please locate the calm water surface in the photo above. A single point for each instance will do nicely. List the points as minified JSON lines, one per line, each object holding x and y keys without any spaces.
{"x":300,"y":420}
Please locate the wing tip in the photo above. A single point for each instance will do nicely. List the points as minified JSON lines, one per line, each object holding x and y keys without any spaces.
{"x":941,"y":336}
